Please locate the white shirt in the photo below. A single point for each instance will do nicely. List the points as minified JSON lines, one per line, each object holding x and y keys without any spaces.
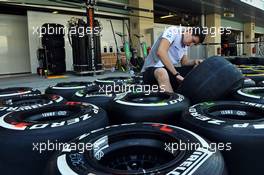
{"x":176,"y":50}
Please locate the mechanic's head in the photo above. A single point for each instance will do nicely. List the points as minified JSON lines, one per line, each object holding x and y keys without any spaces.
{"x":193,"y":36}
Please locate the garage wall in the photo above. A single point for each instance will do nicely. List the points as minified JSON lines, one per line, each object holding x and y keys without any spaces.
{"x":259,"y":30}
{"x":37,"y":19}
{"x":234,"y":24}
{"x":14,"y":50}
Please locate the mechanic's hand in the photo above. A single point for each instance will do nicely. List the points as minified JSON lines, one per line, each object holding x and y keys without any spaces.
{"x":197,"y":62}
{"x":179,"y":78}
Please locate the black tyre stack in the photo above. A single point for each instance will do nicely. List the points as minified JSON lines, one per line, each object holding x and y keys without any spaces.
{"x":107,"y":89}
{"x":236,"y":127}
{"x":139,"y":149}
{"x":214,"y":79}
{"x":29,"y":119}
{"x":53,"y":44}
{"x":97,"y":37}
{"x":82,"y":58}
{"x":68,"y":89}
{"x":9,"y":93}
{"x":53,"y":126}
{"x":147,"y":107}
{"x":251,"y":67}
{"x":143,"y":145}
{"x":149,"y":132}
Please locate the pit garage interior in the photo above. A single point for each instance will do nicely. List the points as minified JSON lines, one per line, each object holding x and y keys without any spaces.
{"x":56,"y":79}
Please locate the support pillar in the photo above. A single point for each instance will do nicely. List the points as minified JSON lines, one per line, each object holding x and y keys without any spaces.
{"x":142,"y":21}
{"x":249,"y":35}
{"x":213,"y":21}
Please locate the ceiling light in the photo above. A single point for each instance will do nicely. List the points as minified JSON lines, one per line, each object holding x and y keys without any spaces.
{"x":167,"y":16}
{"x":229,"y":13}
{"x":55,"y":12}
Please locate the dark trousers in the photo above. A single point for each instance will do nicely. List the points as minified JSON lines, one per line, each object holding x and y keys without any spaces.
{"x":149,"y":77}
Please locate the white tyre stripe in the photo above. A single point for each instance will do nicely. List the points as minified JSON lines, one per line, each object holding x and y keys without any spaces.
{"x":240,"y":92}
{"x":63,"y":166}
{"x":59,"y":99}
{"x":140,"y":104}
{"x":65,"y":88}
{"x":19,"y":93}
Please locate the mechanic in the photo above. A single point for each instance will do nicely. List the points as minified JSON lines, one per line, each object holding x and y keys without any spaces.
{"x":169,"y":50}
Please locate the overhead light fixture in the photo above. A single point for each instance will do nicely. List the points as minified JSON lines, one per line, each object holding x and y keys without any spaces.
{"x":55,"y":12}
{"x":167,"y":16}
{"x":229,"y":13}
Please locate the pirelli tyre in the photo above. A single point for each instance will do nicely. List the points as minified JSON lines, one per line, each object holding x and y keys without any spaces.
{"x":147,"y":107}
{"x":249,"y":83}
{"x":233,"y":124}
{"x":97,"y":97}
{"x":261,"y":84}
{"x":138,"y":149}
{"x":138,"y":79}
{"x":258,"y":60}
{"x":28,"y":102}
{"x":250,"y":94}
{"x":254,"y":74}
{"x":244,"y":66}
{"x":230,"y":59}
{"x":29,"y":138}
{"x":214,"y":79}
{"x":68,"y":89}
{"x":17,"y":91}
{"x":243,"y":61}
{"x":110,"y":81}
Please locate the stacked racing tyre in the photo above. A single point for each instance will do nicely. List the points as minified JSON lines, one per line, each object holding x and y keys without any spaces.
{"x":29,"y":138}
{"x":250,"y":94}
{"x":261,"y":84}
{"x":147,"y":107}
{"x":111,"y":81}
{"x":67,"y":90}
{"x":138,"y":79}
{"x":100,"y":97}
{"x":213,"y":79}
{"x":243,"y":66}
{"x":258,"y":60}
{"x":28,"y":102}
{"x":249,"y":83}
{"x":237,"y":127}
{"x":107,"y":89}
{"x":243,"y":61}
{"x":9,"y":93}
{"x":254,"y":73}
{"x":138,"y":149}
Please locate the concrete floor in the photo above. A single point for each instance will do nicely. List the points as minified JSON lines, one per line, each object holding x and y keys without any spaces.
{"x":41,"y":83}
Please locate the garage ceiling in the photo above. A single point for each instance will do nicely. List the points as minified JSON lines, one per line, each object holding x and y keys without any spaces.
{"x":243,"y":12}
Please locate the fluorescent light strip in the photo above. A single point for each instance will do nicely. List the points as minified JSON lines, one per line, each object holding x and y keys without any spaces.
{"x":168,"y":16}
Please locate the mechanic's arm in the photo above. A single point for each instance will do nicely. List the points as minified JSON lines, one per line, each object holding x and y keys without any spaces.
{"x":185,"y":61}
{"x":162,"y":53}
